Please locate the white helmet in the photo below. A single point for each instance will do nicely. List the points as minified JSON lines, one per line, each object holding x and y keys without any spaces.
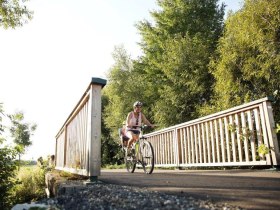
{"x":137,"y":103}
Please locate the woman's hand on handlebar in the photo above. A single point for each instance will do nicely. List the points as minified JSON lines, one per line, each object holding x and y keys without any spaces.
{"x":151,"y":125}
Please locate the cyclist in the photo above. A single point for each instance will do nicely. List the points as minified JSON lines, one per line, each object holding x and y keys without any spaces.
{"x":134,"y":119}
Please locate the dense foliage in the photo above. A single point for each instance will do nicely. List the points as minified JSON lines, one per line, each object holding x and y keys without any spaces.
{"x":177,"y":50}
{"x":7,"y":167}
{"x":172,"y":76}
{"x":248,"y":65}
{"x":194,"y":63}
{"x":121,"y":90}
{"x":14,"y":13}
{"x":110,"y":148}
{"x":7,"y":175}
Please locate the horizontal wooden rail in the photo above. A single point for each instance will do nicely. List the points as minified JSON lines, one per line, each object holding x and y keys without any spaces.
{"x":243,"y":135}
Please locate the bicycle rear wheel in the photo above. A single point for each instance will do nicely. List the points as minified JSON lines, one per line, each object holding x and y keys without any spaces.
{"x":147,"y":159}
{"x":130,"y":162}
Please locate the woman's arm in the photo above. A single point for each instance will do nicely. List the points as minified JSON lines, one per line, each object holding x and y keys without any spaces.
{"x":147,"y":122}
{"x":128,"y":120}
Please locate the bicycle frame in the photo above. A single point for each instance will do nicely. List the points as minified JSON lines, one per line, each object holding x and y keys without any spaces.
{"x":142,"y":154}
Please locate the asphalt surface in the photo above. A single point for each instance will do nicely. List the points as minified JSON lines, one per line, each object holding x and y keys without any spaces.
{"x":248,"y":189}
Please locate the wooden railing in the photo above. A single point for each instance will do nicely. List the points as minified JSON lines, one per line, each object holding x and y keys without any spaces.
{"x":243,"y":135}
{"x":78,"y":142}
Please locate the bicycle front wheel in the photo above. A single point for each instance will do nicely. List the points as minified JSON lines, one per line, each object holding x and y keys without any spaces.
{"x":130,"y":163}
{"x":147,"y":157}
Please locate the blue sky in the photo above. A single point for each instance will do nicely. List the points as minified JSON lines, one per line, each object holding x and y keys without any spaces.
{"x":47,"y":64}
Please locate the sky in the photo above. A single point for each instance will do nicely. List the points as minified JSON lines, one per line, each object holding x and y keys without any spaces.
{"x":46,"y":65}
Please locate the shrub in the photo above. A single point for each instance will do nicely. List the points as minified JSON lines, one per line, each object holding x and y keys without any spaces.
{"x":7,"y":174}
{"x":30,"y":186}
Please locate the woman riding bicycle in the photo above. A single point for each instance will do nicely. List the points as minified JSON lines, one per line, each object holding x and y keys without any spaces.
{"x":133,"y":121}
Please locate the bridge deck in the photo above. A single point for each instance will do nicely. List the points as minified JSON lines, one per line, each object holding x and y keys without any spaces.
{"x":249,"y":189}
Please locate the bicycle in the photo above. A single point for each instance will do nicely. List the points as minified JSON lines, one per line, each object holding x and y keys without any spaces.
{"x":142,"y":153}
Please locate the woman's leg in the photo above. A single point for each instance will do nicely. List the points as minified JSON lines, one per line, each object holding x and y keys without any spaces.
{"x":132,"y":138}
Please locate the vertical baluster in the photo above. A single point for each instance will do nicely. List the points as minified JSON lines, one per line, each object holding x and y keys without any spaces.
{"x":252,"y":135}
{"x":181,"y":148}
{"x":258,"y":126}
{"x":165,"y":141}
{"x":238,"y":132}
{"x":157,"y":143}
{"x":222,"y":139}
{"x":195,"y":144}
{"x":189,"y":145}
{"x":199,"y":143}
{"x":85,"y":134}
{"x":217,"y":141}
{"x":160,"y":149}
{"x":168,"y":147}
{"x":203,"y":143}
{"x":245,"y":136}
{"x":185,"y":145}
{"x":228,"y":151}
{"x":212,"y":142}
{"x":172,"y":151}
{"x":208,"y":143}
{"x":192,"y":144}
{"x":232,"y":134}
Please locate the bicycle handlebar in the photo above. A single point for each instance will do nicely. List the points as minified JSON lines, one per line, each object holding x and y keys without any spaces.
{"x":143,"y":126}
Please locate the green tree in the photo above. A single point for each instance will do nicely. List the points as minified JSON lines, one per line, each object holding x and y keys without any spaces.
{"x":21,"y":132}
{"x":7,"y":174}
{"x":248,"y":65}
{"x":7,"y":168}
{"x":187,"y":80}
{"x":14,"y":13}
{"x":177,"y":50}
{"x":110,"y":149}
{"x":121,"y":90}
{"x":115,"y":98}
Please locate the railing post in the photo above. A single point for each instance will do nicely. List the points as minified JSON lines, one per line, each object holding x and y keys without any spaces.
{"x":273,"y":143}
{"x":94,"y":131}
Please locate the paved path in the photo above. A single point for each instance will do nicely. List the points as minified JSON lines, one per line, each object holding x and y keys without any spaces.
{"x":249,"y":189}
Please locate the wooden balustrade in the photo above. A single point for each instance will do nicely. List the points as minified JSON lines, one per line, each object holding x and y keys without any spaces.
{"x":243,"y":135}
{"x":235,"y":137}
{"x":78,"y":142}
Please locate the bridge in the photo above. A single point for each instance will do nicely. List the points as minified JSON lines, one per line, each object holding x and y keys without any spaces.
{"x":241,"y":136}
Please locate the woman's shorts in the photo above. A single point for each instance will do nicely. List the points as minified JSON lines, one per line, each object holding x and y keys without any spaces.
{"x":134,"y":131}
